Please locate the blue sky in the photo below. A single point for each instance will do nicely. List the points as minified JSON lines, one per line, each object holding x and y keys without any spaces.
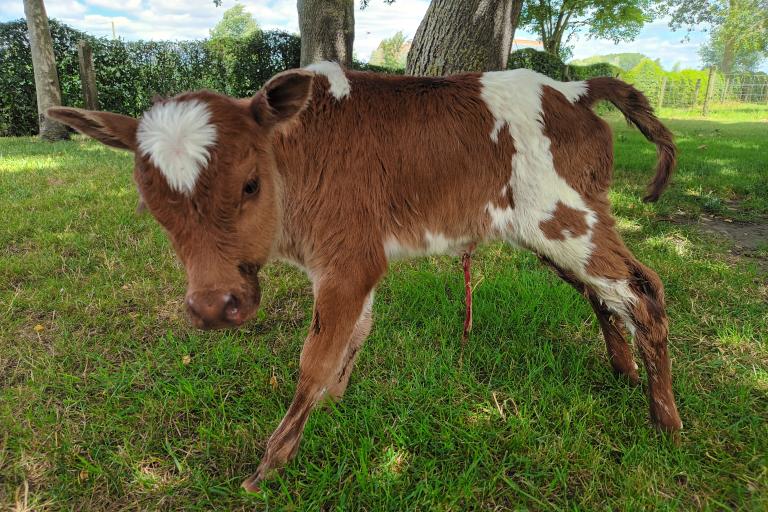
{"x":188,"y":19}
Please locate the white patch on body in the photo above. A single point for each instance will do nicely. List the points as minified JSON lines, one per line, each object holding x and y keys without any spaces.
{"x":339,"y":87}
{"x":514,"y":99}
{"x":433,"y":243}
{"x":367,"y":308}
{"x":175,"y":136}
{"x":438,"y":243}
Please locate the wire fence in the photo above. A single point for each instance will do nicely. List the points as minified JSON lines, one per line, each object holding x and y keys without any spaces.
{"x":705,"y":91}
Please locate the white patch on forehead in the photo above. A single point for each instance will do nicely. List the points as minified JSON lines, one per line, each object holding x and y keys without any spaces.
{"x":339,"y":88}
{"x":175,"y":136}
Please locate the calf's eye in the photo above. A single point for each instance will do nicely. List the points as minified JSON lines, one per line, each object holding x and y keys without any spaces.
{"x":251,"y":188}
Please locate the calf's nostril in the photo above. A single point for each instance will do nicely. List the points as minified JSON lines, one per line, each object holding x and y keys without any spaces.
{"x":232,"y":306}
{"x":191,"y":306}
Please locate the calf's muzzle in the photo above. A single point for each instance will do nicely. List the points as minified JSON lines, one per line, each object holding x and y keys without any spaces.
{"x":215,"y":309}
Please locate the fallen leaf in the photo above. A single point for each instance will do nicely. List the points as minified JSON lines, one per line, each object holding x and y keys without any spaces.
{"x":186,"y":360}
{"x":39,"y":328}
{"x":83,"y":476}
{"x":273,"y":382}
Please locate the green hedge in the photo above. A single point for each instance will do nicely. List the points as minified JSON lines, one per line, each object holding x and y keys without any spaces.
{"x":680,"y":88}
{"x":543,"y":62}
{"x":553,"y":67}
{"x":364,"y":66}
{"x":130,"y":73}
{"x":679,"y":91}
{"x":592,"y":70}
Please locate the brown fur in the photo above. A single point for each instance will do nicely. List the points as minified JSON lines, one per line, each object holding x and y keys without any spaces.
{"x":583,"y":156}
{"x":447,"y":195}
{"x":565,"y":221}
{"x":619,"y":351}
{"x":635,"y":107}
{"x":332,"y":182}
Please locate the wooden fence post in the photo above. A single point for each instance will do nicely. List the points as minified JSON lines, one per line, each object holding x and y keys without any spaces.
{"x":661,"y":94}
{"x":708,"y":94}
{"x":696,"y":92}
{"x":87,"y":75}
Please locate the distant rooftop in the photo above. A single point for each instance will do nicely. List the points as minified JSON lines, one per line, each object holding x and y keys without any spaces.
{"x":519,"y":44}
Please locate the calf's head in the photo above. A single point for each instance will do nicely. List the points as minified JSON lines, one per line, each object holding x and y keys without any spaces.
{"x":205,"y":169}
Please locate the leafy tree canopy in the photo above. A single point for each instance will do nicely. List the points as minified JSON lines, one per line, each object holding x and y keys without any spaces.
{"x":556,"y":21}
{"x":625,"y":61}
{"x":738,"y":39}
{"x":236,"y":23}
{"x":365,"y":3}
{"x":391,"y":52}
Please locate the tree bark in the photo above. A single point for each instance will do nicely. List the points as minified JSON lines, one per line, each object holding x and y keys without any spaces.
{"x":327,"y":30}
{"x":514,"y":20}
{"x":729,"y":56}
{"x":463,"y":35}
{"x":44,"y":66}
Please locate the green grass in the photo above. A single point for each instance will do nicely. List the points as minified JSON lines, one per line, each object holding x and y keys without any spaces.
{"x":723,"y":163}
{"x":730,"y":112}
{"x":117,"y":403}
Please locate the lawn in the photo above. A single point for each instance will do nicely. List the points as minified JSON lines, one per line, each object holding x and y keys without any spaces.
{"x":109,"y":400}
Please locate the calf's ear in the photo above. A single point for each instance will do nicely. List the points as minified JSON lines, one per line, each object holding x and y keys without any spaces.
{"x":283,"y":97}
{"x":114,"y":130}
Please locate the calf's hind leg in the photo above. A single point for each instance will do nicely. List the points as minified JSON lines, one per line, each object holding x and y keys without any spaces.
{"x":618,"y":283}
{"x":619,"y":351}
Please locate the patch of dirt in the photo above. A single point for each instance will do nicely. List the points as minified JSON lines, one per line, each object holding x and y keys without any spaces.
{"x":750,"y":239}
{"x":745,"y":235}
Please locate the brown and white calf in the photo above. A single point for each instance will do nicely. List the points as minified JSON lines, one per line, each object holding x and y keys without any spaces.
{"x":340,"y":172}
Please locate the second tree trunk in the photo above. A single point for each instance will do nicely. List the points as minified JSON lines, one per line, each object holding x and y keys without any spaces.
{"x":463,"y":35}
{"x":327,"y":30}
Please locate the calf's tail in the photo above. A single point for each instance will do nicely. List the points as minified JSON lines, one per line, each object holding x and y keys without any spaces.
{"x":635,"y":107}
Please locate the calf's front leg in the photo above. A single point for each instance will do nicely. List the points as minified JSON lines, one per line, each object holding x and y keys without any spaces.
{"x":340,"y":322}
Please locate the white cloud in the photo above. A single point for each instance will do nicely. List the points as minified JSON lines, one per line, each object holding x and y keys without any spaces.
{"x":117,"y":5}
{"x":274,"y":15}
{"x":379,"y":21}
{"x":11,"y":11}
{"x":64,"y":7}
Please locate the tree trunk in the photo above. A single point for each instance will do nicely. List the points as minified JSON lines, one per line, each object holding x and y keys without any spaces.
{"x":44,"y":66}
{"x":726,"y":66}
{"x":514,"y":19}
{"x":551,"y":46}
{"x":327,"y":30}
{"x":463,"y":35}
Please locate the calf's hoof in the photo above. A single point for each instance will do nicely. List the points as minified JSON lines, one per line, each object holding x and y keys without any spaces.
{"x":274,"y":459}
{"x":665,"y":416}
{"x":253,"y":482}
{"x":630,"y":374}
